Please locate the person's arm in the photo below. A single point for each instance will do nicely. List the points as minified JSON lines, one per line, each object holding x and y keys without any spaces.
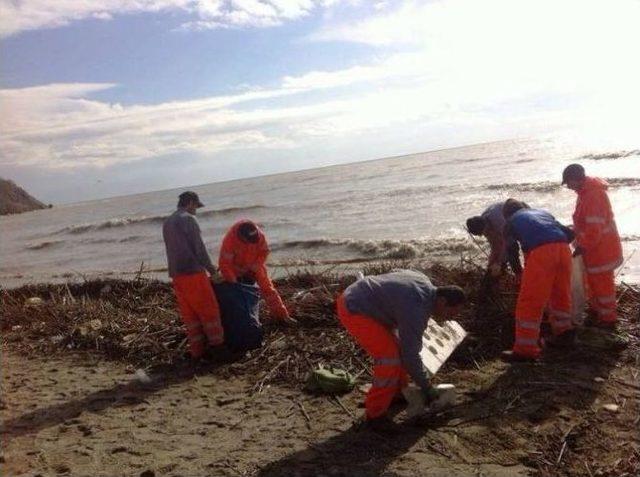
{"x":411,"y":331}
{"x":497,"y":244}
{"x":225,"y":261}
{"x":513,"y":256}
{"x":594,"y":219}
{"x":271,"y":295}
{"x":194,"y":236}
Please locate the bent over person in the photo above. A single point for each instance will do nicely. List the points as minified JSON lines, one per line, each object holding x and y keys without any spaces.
{"x":188,"y":264}
{"x":243,"y":257}
{"x":503,"y":250}
{"x":374,"y":308}
{"x":597,"y":240}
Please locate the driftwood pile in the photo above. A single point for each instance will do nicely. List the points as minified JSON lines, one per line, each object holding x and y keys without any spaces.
{"x":136,"y":321}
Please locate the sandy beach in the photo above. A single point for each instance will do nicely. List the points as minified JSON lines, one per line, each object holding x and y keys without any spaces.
{"x":72,"y":412}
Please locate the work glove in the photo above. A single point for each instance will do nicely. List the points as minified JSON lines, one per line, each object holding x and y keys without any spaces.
{"x":578,"y":251}
{"x":429,"y":395}
{"x":495,"y":270}
{"x":288,"y":321}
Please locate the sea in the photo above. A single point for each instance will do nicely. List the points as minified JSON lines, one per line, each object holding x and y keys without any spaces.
{"x":409,"y":209}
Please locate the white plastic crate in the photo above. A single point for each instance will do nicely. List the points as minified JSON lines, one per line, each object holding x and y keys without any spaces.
{"x":438,"y":342}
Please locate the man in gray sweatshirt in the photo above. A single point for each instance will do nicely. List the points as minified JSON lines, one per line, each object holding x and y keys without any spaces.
{"x":374,"y":308}
{"x":188,"y":264}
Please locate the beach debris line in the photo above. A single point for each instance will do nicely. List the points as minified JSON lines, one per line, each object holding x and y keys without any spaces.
{"x":136,"y":322}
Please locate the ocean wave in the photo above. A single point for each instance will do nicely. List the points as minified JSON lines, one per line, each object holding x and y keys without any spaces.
{"x":44,"y":245}
{"x":129,"y":238}
{"x":611,"y":155}
{"x":142,"y":220}
{"x":391,"y":249}
{"x":231,"y":210}
{"x":112,"y":223}
{"x":624,"y":181}
{"x":548,"y":186}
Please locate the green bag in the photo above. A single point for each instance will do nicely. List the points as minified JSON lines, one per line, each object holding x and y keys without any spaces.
{"x":330,"y":381}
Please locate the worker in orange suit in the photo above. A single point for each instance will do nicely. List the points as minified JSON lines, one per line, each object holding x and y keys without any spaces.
{"x":188,"y":265}
{"x":387,"y":315}
{"x":243,"y":257}
{"x":546,"y":279}
{"x":597,"y":240}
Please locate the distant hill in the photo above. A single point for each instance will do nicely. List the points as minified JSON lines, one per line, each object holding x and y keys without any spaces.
{"x":15,"y":200}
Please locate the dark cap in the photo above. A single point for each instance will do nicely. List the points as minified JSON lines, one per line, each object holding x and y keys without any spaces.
{"x":476,"y":225}
{"x":189,"y":196}
{"x":248,"y":232}
{"x":572,"y":171}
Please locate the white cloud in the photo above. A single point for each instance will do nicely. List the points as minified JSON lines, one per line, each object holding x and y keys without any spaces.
{"x":22,"y":15}
{"x":466,"y":70}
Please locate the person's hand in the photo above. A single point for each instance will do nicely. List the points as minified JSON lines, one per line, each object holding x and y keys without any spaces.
{"x":578,"y":251}
{"x":495,"y":270}
{"x":518,"y":276}
{"x":215,"y":276}
{"x":429,"y":395}
{"x":288,"y":321}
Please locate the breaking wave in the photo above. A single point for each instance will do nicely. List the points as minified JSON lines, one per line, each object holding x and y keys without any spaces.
{"x":44,"y":245}
{"x":391,"y":249}
{"x":130,"y":238}
{"x":549,"y":186}
{"x":153,"y":219}
{"x":630,"y":238}
{"x":611,"y":155}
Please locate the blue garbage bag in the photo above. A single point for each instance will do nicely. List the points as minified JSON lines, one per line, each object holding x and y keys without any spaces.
{"x":239,"y":310}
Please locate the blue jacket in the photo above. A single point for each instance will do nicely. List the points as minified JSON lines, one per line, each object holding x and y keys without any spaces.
{"x":535,"y":227}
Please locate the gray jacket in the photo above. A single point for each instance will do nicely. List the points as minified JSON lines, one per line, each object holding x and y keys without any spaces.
{"x":401,"y":300}
{"x":186,"y":252}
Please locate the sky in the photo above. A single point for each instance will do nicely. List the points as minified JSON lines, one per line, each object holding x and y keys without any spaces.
{"x":101,"y":98}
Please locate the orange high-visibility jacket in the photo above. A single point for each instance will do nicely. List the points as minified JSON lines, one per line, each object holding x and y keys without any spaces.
{"x":595,"y":227}
{"x":241,"y":259}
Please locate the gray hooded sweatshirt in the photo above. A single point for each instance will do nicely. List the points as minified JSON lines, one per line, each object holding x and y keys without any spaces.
{"x":402,"y":300}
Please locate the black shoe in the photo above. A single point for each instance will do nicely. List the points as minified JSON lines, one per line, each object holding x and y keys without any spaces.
{"x":606,"y":325}
{"x":511,"y":357}
{"x":221,"y":354}
{"x":382,"y":425}
{"x":563,"y":340}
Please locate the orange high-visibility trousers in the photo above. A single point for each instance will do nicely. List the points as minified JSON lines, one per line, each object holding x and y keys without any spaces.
{"x":546,"y":279}
{"x":602,"y":292}
{"x":199,"y":311}
{"x":389,"y":376}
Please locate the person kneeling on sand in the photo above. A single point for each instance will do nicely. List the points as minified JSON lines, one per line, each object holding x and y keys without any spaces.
{"x":373,"y":308}
{"x":546,"y":280}
{"x":243,"y":258}
{"x":188,"y":264}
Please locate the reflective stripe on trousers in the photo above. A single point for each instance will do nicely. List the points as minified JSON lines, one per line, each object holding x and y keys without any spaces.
{"x":389,"y":377}
{"x":385,"y":382}
{"x":546,"y":279}
{"x":606,"y":267}
{"x":602,"y":291}
{"x":199,"y":311}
